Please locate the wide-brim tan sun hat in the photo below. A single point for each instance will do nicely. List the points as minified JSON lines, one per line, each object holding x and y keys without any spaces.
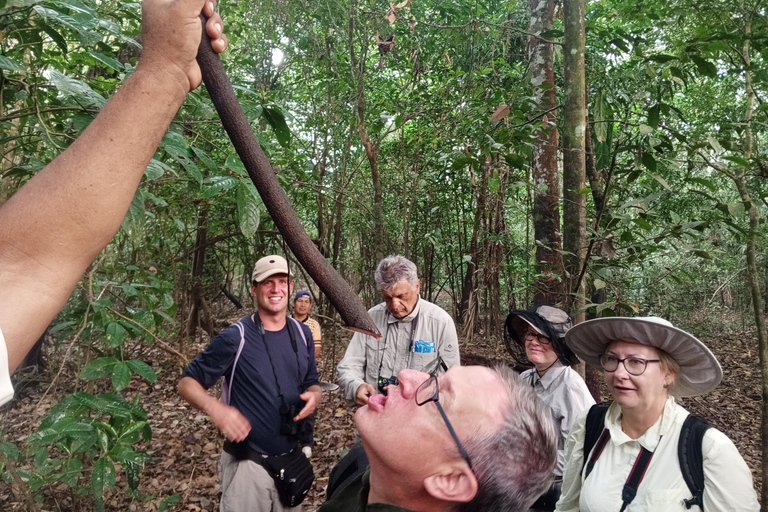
{"x":700,"y":372}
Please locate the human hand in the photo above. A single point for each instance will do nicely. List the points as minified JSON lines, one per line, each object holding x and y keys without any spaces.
{"x":312,"y":396}
{"x":230,"y":422}
{"x":364,"y":392}
{"x":171,"y":35}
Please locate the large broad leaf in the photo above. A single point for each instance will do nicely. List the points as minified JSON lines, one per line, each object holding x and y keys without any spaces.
{"x":103,"y":475}
{"x":143,"y":369}
{"x":121,"y":376}
{"x":98,"y":368}
{"x":156,"y":169}
{"x":136,"y":217}
{"x":108,"y":61}
{"x":115,"y":334}
{"x":57,"y":38}
{"x":276,"y":120}
{"x":248,"y":211}
{"x":601,"y":112}
{"x":218,"y":184}
{"x":77,"y":90}
{"x":10,"y":64}
{"x":705,"y":67}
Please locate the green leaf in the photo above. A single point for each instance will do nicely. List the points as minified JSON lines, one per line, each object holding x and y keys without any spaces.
{"x":78,"y":430}
{"x":70,"y":471}
{"x":704,"y":182}
{"x":57,"y":38}
{"x":662,"y":57}
{"x":736,"y":209}
{"x":219,"y":183}
{"x":715,"y":144}
{"x":103,"y":475}
{"x":276,"y":120}
{"x":115,"y":334}
{"x":142,"y":369}
{"x":645,"y":129}
{"x":110,"y":62}
{"x":662,"y":181}
{"x":168,"y":500}
{"x":248,"y":211}
{"x":210,"y":164}
{"x":131,"y":434}
{"x":653,"y":116}
{"x":121,"y":376}
{"x":743,"y":162}
{"x":103,"y":441}
{"x":643,"y":223}
{"x":702,"y":254}
{"x":41,"y":457}
{"x":89,"y":400}
{"x":156,"y":169}
{"x":10,"y":64}
{"x":10,"y":450}
{"x":98,"y":368}
{"x":77,"y":90}
{"x":552,"y":33}
{"x":599,"y":284}
{"x":649,"y":162}
{"x":705,"y":67}
{"x":136,"y":218}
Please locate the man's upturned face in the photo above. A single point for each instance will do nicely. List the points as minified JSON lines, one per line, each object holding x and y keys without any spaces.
{"x":401,"y":298}
{"x":414,"y":440}
{"x":272,"y":294}
{"x":302,"y":305}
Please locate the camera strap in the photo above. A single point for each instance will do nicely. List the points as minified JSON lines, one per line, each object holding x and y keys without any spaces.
{"x":414,"y":323}
{"x":260,"y":328}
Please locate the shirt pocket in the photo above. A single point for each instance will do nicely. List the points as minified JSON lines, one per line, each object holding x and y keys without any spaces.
{"x":421,"y":360}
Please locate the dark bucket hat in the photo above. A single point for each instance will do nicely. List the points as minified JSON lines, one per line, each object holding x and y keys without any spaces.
{"x":546,"y":320}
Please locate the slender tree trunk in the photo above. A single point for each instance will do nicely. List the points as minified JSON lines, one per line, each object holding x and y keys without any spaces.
{"x":468,"y":287}
{"x":546,"y":210}
{"x":753,"y":274}
{"x":198,"y":312}
{"x":371,"y":148}
{"x":574,"y":164}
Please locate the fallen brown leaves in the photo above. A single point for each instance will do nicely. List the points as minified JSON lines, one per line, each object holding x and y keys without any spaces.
{"x":185,"y":448}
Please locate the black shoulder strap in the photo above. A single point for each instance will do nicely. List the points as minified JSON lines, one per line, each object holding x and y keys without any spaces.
{"x":594,"y":427}
{"x":691,"y":458}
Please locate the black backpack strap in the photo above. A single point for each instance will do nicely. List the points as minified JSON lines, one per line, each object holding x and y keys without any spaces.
{"x":691,"y":458}
{"x":594,"y":428}
{"x":635,"y":477}
{"x":350,"y":467}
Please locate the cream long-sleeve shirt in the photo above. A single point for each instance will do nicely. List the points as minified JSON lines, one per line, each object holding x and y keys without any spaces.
{"x":6,"y":388}
{"x":727,"y":480}
{"x":566,"y":394}
{"x":396,"y":349}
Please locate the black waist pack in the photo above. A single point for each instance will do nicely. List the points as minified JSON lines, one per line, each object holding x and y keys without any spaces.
{"x":292,"y":471}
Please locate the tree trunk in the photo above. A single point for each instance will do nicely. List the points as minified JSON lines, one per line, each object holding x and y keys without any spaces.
{"x":574,"y":201}
{"x":546,"y":210}
{"x":466,"y":308}
{"x":196,"y":301}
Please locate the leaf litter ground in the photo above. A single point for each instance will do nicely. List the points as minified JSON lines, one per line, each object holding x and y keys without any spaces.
{"x":185,"y":447}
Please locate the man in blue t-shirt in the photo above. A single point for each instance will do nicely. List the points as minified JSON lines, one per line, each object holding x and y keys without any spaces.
{"x":275,"y":369}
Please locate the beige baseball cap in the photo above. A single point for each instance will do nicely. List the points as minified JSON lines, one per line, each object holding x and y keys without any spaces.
{"x":269,"y":266}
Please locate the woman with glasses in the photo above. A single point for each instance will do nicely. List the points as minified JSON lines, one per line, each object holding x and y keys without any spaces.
{"x":539,"y":332}
{"x":636,"y":462}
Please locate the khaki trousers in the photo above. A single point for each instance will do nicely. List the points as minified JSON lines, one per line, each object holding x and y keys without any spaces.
{"x":247,"y":487}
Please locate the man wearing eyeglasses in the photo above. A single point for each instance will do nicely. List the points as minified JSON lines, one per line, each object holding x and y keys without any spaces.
{"x":414,"y":332}
{"x":474,"y":438}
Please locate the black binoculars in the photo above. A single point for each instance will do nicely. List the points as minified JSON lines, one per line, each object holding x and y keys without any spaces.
{"x":288,"y":427}
{"x":386,"y":381}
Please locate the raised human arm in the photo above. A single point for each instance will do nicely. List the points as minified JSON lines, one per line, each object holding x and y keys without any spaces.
{"x":58,"y":222}
{"x":227,"y":419}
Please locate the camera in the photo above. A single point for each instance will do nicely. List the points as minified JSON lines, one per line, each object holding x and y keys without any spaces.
{"x":384,"y":382}
{"x":288,"y":427}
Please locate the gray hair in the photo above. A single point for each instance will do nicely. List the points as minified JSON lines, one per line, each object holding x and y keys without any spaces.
{"x":393,"y":269}
{"x":514,"y":465}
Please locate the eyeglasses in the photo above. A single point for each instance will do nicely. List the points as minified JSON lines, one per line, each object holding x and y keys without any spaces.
{"x":633,"y":365}
{"x":429,"y":391}
{"x":529,"y":335}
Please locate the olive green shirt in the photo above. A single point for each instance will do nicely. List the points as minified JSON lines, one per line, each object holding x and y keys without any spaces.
{"x":354,"y":498}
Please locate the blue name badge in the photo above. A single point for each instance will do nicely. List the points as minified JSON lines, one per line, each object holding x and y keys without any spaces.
{"x":423,"y":347}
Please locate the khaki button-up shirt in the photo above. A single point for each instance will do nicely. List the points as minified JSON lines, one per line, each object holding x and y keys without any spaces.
{"x":368,"y":358}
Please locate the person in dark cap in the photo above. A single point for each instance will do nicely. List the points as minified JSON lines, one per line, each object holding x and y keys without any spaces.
{"x":540,"y":332}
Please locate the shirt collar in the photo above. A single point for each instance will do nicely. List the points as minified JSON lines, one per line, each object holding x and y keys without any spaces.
{"x":549,"y":377}
{"x":391,"y":319}
{"x":649,"y":440}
